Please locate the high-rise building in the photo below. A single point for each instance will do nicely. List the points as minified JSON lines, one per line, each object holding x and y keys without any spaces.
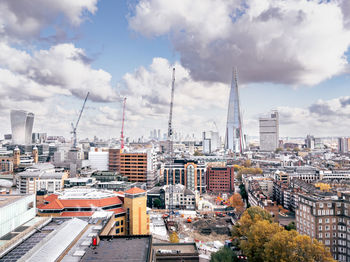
{"x":269,"y":132}
{"x":234,"y":141}
{"x":210,"y":142}
{"x":343,"y":144}
{"x":22,"y":127}
{"x":189,"y":173}
{"x":310,"y":142}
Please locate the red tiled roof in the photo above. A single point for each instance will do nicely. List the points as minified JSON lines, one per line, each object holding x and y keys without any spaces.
{"x":135,"y":190}
{"x":56,"y":203}
{"x":51,"y":197}
{"x":76,"y":214}
{"x":117,"y":210}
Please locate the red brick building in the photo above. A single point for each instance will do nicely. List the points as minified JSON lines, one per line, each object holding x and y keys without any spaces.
{"x":220,"y":179}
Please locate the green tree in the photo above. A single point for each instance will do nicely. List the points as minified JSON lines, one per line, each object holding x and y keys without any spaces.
{"x":243,"y":193}
{"x":225,"y":254}
{"x":278,"y":149}
{"x":290,"y":226}
{"x":157,"y":203}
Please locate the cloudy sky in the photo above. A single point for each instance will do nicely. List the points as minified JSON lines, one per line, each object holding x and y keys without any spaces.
{"x":291,"y":56}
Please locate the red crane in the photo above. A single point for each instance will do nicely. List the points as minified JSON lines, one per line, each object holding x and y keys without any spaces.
{"x":122,"y":132}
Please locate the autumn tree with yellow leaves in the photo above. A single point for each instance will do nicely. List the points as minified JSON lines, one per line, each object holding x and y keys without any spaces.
{"x":261,"y":239}
{"x":236,"y":202}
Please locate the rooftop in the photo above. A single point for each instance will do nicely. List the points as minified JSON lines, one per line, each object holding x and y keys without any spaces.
{"x":135,"y":190}
{"x":121,"y":249}
{"x":9,"y":199}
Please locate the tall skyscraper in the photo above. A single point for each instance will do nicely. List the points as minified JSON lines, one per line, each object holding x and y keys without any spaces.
{"x":234,"y":141}
{"x":269,"y":132}
{"x":22,"y":127}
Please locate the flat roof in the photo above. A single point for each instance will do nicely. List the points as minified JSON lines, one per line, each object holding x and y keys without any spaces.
{"x":121,"y":249}
{"x":9,"y":199}
{"x":183,"y":248}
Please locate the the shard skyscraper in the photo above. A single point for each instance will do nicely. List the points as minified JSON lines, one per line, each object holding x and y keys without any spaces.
{"x":234,"y":140}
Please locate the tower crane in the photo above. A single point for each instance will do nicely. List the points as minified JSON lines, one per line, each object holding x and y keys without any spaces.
{"x":122,"y":131}
{"x":74,"y":128}
{"x":171,"y":149}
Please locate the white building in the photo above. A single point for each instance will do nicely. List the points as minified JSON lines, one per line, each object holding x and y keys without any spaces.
{"x":183,"y":198}
{"x":15,"y":210}
{"x":22,"y":126}
{"x":211,"y":142}
{"x":269,"y":132}
{"x":99,"y":160}
{"x":40,"y":177}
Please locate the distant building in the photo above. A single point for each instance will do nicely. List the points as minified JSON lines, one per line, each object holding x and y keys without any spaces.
{"x":189,"y":173}
{"x":40,"y":177}
{"x":137,"y":166}
{"x":99,"y":160}
{"x":220,"y":179}
{"x":22,"y":126}
{"x":269,"y":132}
{"x":211,"y":142}
{"x":343,"y":144}
{"x":310,"y":142}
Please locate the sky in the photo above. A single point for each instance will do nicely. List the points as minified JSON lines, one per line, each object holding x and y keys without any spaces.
{"x":292,"y":56}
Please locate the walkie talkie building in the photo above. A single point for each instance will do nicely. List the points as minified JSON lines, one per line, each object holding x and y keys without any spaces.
{"x":22,"y":127}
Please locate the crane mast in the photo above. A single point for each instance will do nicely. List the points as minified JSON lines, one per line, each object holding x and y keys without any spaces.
{"x":122,"y":131}
{"x":74,"y":128}
{"x":171,"y":149}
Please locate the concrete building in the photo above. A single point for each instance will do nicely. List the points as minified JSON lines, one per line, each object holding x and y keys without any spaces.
{"x":138,"y":166}
{"x":269,"y":132}
{"x":220,"y":179}
{"x":343,"y":144}
{"x":99,"y":160}
{"x":40,"y":177}
{"x":183,"y":198}
{"x":211,"y":142}
{"x":189,"y":173}
{"x":15,"y":210}
{"x":22,"y":126}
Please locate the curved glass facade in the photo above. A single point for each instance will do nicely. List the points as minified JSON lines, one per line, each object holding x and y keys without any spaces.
{"x":22,"y":127}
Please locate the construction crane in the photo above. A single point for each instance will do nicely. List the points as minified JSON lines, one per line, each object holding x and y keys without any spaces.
{"x":122,"y":131}
{"x":74,"y":128}
{"x":171,"y":149}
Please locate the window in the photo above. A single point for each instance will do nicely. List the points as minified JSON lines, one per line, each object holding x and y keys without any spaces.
{"x":122,"y":229}
{"x":321,"y":205}
{"x":122,"y":223}
{"x":117,"y":231}
{"x":320,"y":220}
{"x":117,"y":224}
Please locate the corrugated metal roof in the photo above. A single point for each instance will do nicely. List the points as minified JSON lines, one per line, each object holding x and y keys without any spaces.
{"x":57,"y":241}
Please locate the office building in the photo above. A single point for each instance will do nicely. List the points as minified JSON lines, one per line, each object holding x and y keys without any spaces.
{"x":138,"y":166}
{"x":189,"y":173}
{"x":269,"y":132}
{"x":234,"y":138}
{"x":220,"y":179}
{"x":211,"y":142}
{"x":40,"y":177}
{"x":343,"y":144}
{"x":99,"y":160}
{"x":22,"y":127}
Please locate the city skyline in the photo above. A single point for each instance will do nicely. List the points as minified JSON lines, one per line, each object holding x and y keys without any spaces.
{"x":125,"y":49}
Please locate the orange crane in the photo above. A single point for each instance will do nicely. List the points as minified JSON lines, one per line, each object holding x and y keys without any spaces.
{"x":122,"y":131}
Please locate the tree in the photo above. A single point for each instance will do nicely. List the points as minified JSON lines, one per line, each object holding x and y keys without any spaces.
{"x":174,"y":238}
{"x":197,"y":153}
{"x":290,"y":226}
{"x":225,"y":254}
{"x":289,"y":246}
{"x":243,"y":193}
{"x":157,"y":203}
{"x":263,"y":240}
{"x":258,"y":235}
{"x":278,"y":149}
{"x":247,"y":163}
{"x":236,"y":201}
